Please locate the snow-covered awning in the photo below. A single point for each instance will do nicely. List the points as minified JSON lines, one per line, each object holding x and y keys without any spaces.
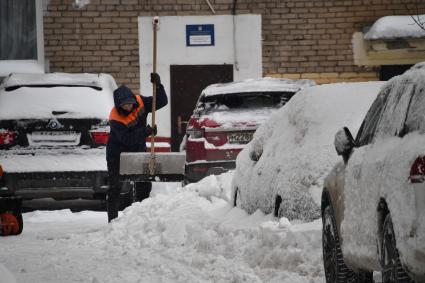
{"x":392,"y":27}
{"x":392,"y":40}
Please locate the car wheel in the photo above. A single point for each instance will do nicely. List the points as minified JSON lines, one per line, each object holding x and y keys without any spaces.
{"x":333,"y":261}
{"x":392,"y":269}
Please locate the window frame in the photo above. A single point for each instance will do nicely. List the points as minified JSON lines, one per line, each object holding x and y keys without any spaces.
{"x":39,"y":64}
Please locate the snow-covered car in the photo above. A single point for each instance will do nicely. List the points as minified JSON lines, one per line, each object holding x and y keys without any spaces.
{"x":283,"y":168}
{"x":373,"y":202}
{"x":225,"y":119}
{"x":53,"y":128}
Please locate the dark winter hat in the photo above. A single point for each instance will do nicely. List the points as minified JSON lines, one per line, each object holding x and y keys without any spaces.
{"x":124,"y":95}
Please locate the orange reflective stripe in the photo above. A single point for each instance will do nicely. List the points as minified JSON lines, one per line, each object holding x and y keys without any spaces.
{"x":130,"y":118}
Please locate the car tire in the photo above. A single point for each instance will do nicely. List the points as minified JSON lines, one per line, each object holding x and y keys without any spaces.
{"x":392,"y":269}
{"x":336,"y":271}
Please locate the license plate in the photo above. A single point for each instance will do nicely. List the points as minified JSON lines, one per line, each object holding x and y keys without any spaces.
{"x":57,"y":133}
{"x":240,"y":137}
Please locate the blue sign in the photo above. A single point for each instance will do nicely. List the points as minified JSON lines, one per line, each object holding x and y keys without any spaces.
{"x":200,"y":35}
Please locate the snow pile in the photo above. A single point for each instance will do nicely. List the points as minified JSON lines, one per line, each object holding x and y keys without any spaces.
{"x":6,"y":276}
{"x":391,"y":27}
{"x":213,"y":186}
{"x":258,"y":85}
{"x":174,"y":236}
{"x":297,"y":151}
{"x":42,"y":102}
{"x":214,"y":242}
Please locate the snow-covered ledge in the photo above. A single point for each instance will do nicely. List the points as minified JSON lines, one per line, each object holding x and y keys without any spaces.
{"x":392,"y":40}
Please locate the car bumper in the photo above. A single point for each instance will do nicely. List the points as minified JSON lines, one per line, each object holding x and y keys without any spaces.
{"x":67,"y":173}
{"x":198,"y":170}
{"x":57,"y":185}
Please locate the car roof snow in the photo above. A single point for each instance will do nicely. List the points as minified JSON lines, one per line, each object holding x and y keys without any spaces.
{"x":266,"y":84}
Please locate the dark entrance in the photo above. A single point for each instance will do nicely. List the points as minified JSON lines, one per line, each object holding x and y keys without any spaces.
{"x":388,"y":71}
{"x":187,"y":82}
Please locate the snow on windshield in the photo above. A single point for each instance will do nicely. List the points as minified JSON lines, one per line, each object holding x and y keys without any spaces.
{"x":391,"y":27}
{"x":42,"y":102}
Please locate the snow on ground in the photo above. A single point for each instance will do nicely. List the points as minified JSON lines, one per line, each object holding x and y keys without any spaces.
{"x":189,"y":234}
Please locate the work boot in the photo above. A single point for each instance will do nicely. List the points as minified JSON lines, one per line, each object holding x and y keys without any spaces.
{"x":112,"y":205}
{"x":143,"y":190}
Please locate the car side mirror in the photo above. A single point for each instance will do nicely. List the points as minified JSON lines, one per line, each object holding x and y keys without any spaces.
{"x":344,"y":143}
{"x":254,"y":155}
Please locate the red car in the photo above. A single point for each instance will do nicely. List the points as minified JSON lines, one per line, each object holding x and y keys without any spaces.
{"x":225,"y":119}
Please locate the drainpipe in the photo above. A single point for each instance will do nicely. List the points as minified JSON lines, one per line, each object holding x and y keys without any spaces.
{"x":235,"y":54}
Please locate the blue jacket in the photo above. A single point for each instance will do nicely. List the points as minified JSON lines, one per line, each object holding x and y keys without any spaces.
{"x":128,"y":129}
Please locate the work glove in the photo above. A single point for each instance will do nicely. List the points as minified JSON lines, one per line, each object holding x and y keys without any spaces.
{"x":151,"y":131}
{"x":155,"y":78}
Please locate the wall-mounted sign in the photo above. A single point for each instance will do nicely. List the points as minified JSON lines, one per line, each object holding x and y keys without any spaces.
{"x":200,"y":35}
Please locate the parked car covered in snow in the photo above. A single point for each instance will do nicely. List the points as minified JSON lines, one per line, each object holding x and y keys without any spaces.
{"x":283,"y":168}
{"x":51,"y":127}
{"x":225,"y":119}
{"x":373,"y":202}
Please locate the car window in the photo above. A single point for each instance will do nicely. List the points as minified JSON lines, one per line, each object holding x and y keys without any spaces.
{"x":393,"y":117}
{"x":245,"y":101}
{"x":367,"y":129}
{"x":415,"y":120}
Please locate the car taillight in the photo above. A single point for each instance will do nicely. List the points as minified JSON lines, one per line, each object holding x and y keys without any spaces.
{"x":1,"y":171}
{"x":216,"y":138}
{"x":99,"y":137}
{"x":417,"y":171}
{"x":7,"y":137}
{"x":194,"y":129}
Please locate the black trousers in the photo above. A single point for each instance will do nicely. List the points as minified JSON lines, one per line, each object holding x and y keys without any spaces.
{"x":141,"y":190}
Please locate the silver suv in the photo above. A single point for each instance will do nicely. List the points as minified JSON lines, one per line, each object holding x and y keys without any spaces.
{"x":373,"y":201}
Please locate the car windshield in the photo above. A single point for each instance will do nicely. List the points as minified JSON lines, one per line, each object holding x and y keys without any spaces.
{"x":241,"y":101}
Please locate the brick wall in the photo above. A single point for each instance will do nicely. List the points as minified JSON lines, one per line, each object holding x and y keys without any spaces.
{"x":302,"y":38}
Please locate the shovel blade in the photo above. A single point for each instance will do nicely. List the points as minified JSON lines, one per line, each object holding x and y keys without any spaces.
{"x":165,"y":163}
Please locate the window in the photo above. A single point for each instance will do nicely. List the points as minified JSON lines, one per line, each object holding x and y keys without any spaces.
{"x":392,"y":122}
{"x":18,"y":30}
{"x":415,"y":120}
{"x":368,"y":127}
{"x":249,"y":100}
{"x":21,"y":36}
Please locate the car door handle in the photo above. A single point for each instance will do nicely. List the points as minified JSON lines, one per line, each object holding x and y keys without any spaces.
{"x":179,"y":124}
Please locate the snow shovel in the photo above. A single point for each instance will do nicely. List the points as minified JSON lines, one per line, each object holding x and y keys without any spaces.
{"x":141,"y":166}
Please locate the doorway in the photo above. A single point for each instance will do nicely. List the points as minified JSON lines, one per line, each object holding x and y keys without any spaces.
{"x":187,"y":82}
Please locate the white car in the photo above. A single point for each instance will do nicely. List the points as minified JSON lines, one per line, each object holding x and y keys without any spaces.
{"x":283,"y":168}
{"x":373,"y":202}
{"x":53,"y":129}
